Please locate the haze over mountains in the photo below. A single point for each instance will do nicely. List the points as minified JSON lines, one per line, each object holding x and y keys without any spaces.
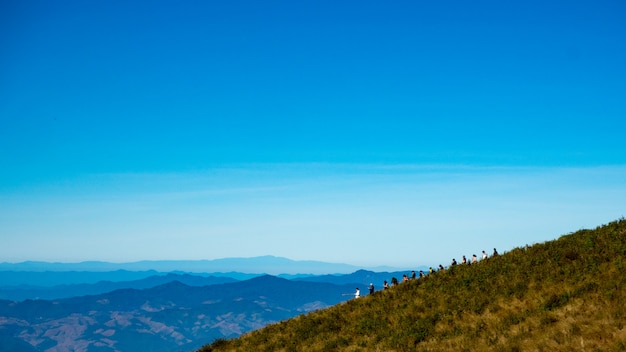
{"x":43,"y":280}
{"x":168,"y":317}
{"x":270,"y":265}
{"x":98,"y":306}
{"x":22,"y":292}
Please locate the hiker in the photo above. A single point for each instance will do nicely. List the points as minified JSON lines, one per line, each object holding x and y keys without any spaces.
{"x":413,"y":275}
{"x":484,"y":255}
{"x":441,"y":268}
{"x":453,"y":261}
{"x":464,"y":260}
{"x":394,"y":281}
{"x":405,"y":278}
{"x":385,"y":285}
{"x":430,"y":270}
{"x":357,"y":293}
{"x":371,"y":288}
{"x":495,"y":253}
{"x":474,"y":259}
{"x":421,"y":274}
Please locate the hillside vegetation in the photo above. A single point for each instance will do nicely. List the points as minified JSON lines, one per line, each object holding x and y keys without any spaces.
{"x":563,"y":295}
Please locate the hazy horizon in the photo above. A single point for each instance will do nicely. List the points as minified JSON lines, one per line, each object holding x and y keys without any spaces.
{"x":262,"y":265}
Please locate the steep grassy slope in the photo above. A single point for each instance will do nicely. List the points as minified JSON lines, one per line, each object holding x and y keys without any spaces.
{"x":563,"y":295}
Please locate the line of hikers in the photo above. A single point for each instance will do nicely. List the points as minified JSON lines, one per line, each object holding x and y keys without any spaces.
{"x":394,"y":281}
{"x":474,"y":258}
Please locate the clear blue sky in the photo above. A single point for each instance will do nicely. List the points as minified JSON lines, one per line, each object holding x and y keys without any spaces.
{"x":371,"y":133}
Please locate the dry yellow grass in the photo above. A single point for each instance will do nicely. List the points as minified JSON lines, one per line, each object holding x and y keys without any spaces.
{"x":563,"y":295}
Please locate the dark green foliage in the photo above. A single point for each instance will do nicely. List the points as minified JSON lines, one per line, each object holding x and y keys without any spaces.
{"x":217,"y":344}
{"x":558,"y":295}
{"x":556,"y":301}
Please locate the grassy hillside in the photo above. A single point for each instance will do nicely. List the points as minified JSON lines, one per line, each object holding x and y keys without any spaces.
{"x":563,"y":295}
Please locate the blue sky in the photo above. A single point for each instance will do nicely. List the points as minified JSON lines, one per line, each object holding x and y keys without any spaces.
{"x":369,"y":133}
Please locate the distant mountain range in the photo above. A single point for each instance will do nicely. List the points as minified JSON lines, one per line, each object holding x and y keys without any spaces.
{"x":169,"y":317}
{"x":24,"y":292}
{"x":59,"y":278}
{"x":270,"y":265}
{"x":98,"y":306}
{"x":41,"y":285}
